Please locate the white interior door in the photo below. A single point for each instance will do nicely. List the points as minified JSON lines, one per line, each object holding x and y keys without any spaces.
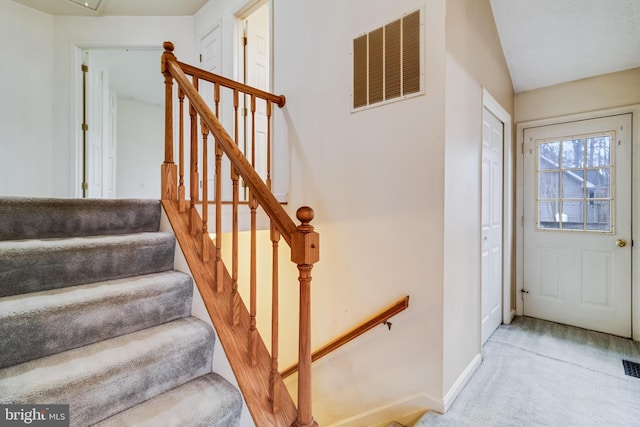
{"x":491,"y":284}
{"x":211,"y":60}
{"x":577,"y":223}
{"x":257,"y":72}
{"x":97,"y":105}
{"x":211,"y":48}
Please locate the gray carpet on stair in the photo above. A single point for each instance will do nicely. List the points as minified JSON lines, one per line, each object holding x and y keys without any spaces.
{"x":93,"y":314}
{"x":39,"y":218}
{"x":37,"y":265}
{"x":538,"y":373}
{"x":42,"y":323}
{"x":110,"y":376}
{"x":209,"y":401}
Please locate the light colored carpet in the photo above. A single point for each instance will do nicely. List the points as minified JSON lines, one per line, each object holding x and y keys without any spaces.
{"x":538,"y":373}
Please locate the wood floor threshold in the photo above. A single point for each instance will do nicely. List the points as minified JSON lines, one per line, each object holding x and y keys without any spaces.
{"x":253,"y":380}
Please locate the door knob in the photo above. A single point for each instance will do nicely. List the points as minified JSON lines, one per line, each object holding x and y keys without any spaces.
{"x":621,"y":243}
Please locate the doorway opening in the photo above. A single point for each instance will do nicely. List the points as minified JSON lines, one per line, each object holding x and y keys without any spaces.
{"x":119,"y":122}
{"x":596,"y":277}
{"x":577,"y":222}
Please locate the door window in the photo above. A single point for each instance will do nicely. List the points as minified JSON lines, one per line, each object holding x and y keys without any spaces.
{"x":575,"y":186}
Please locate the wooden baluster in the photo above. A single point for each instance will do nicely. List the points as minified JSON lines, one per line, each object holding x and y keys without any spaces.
{"x":253,"y":333}
{"x":235,"y":297}
{"x":195,"y":180}
{"x":274,"y":379}
{"x":205,"y":193}
{"x":168,"y":169}
{"x":219,"y":266}
{"x":305,"y":251}
{"x":253,"y":131}
{"x":181,"y":195}
{"x":268,"y":144}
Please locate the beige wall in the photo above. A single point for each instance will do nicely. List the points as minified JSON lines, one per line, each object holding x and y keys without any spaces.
{"x":474,"y":60}
{"x":594,"y":93}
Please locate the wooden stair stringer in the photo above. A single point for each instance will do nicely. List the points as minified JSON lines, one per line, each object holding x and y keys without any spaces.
{"x":252,"y":380}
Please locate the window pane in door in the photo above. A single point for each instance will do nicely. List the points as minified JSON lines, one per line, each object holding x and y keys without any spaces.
{"x":573,"y":214}
{"x":548,"y":185}
{"x":573,"y":184}
{"x":572,"y":153}
{"x":599,"y":215}
{"x":549,"y":155}
{"x":599,"y":151}
{"x":547,"y":217}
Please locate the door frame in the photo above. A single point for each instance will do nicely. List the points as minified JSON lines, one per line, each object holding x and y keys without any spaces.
{"x":76,"y":102}
{"x":491,"y":104}
{"x":634,"y":110}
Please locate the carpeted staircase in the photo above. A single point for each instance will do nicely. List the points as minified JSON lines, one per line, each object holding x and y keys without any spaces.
{"x":93,"y":315}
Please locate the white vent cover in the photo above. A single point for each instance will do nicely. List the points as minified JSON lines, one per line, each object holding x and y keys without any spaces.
{"x":387,"y":62}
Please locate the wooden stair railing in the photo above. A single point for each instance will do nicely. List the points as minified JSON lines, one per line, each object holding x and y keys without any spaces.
{"x":380,"y":318}
{"x":255,"y":369}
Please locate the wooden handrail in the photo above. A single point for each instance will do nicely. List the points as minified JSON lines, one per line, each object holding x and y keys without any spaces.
{"x":265,"y":198}
{"x":302,"y":239}
{"x":190,"y":70}
{"x":376,"y":320}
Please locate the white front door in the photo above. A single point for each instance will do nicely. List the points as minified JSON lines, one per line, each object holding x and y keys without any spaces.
{"x":577,"y":223}
{"x":492,"y":144}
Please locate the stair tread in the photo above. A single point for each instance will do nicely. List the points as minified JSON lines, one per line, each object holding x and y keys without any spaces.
{"x":61,"y":243}
{"x":206,"y":401}
{"x":107,"y":377}
{"x":37,"y":324}
{"x":25,"y":218}
{"x":35,"y":265}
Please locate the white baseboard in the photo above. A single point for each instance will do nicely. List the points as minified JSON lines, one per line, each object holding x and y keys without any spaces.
{"x":462,"y":380}
{"x":408,"y":409}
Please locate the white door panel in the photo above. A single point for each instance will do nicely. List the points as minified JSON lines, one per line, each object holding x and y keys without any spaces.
{"x":491,"y":264}
{"x":97,"y":104}
{"x":577,"y":209}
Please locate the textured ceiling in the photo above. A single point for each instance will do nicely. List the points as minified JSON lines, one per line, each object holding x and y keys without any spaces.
{"x":118,"y":7}
{"x":546,"y":42}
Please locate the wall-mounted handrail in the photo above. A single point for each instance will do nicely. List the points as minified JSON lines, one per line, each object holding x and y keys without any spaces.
{"x":380,"y":318}
{"x":302,"y":239}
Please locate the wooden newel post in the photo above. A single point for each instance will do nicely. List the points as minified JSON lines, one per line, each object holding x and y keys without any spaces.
{"x":305,"y":251}
{"x":169,"y":170}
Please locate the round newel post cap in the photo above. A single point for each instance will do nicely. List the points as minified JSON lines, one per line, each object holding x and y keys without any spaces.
{"x":305,"y":215}
{"x":168,"y":46}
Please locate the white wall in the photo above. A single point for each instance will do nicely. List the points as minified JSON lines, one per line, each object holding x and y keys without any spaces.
{"x":26,"y":88}
{"x":86,"y":32}
{"x":474,"y":60}
{"x":375,"y":181}
{"x":140,"y":128}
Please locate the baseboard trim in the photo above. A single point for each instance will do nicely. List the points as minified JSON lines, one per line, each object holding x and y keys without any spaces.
{"x":462,"y":380}
{"x":410,"y":406}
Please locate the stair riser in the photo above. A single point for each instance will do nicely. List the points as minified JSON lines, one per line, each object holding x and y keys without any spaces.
{"x":48,"y":218}
{"x":206,"y":401}
{"x":105,"y":378}
{"x":69,"y":321}
{"x":37,"y":268}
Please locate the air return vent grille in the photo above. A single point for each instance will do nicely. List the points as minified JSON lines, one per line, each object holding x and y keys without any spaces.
{"x":387,"y":62}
